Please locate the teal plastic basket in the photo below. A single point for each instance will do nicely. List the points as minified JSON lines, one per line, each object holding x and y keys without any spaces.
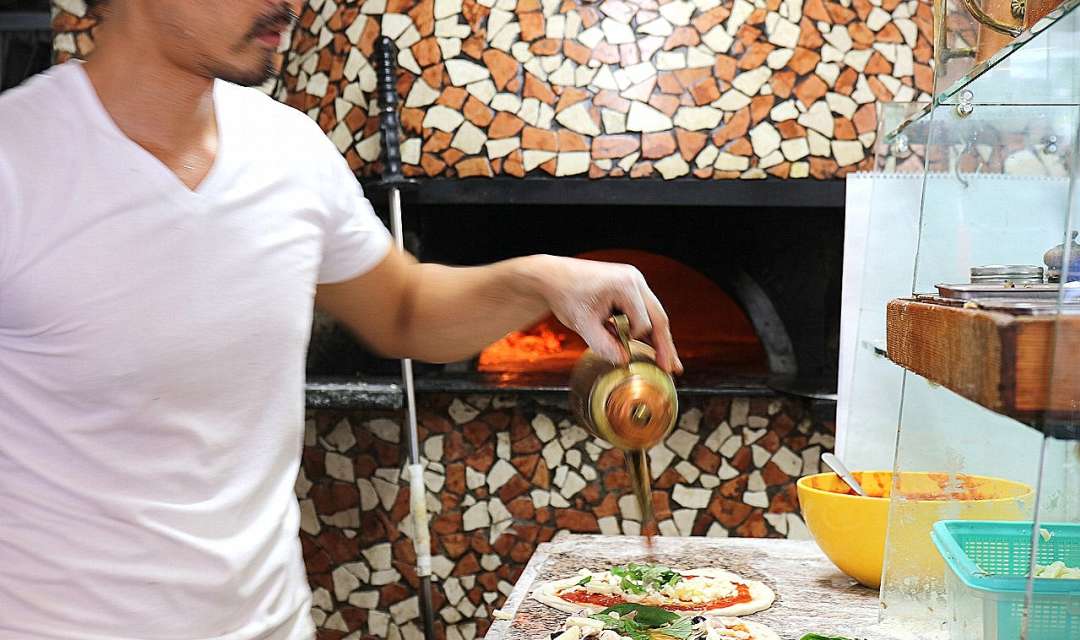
{"x":986,"y":584}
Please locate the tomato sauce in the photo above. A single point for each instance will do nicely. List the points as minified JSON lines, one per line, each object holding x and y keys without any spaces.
{"x":605,"y":600}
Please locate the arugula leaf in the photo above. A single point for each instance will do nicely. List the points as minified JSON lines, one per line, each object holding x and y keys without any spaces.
{"x":584,"y":581}
{"x":624,"y":626}
{"x":643,"y":614}
{"x":645,"y":576}
{"x":680,"y":629}
{"x":815,"y":636}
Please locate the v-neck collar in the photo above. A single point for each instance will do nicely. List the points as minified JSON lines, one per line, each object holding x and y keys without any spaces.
{"x":103,"y":119}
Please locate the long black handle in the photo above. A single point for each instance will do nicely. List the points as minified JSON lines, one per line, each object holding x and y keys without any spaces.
{"x":389,"y":124}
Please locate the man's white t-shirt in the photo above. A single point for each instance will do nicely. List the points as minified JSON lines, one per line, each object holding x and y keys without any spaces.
{"x":152,"y":343}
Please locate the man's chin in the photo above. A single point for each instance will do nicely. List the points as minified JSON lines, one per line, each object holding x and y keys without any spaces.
{"x":251,"y":76}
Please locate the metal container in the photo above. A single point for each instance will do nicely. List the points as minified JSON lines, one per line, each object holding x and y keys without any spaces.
{"x":999,"y":290}
{"x":632,"y":406}
{"x":1006,"y":274}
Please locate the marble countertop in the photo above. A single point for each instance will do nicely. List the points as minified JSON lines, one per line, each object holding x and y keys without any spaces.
{"x":811,"y":594}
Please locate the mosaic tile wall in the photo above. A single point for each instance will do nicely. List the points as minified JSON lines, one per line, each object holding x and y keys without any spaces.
{"x":507,"y":472}
{"x":640,"y":88}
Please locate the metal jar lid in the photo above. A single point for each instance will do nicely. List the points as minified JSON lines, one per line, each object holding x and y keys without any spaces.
{"x":1007,"y":273}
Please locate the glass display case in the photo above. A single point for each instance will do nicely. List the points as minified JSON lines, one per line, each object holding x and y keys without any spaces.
{"x":984,"y":499}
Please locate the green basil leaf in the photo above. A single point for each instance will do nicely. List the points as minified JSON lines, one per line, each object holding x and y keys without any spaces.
{"x":644,"y":615}
{"x":584,"y":581}
{"x":680,"y":629}
{"x":815,"y":636}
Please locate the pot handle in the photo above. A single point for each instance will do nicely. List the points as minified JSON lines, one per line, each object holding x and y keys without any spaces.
{"x":622,"y":330}
{"x":990,"y":22}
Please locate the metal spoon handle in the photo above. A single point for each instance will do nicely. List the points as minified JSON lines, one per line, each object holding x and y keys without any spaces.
{"x":834,"y":463}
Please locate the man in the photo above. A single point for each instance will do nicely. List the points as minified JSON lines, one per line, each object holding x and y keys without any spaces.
{"x":163,"y":233}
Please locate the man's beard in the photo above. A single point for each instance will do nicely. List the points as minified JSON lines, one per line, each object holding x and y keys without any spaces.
{"x":253,"y":77}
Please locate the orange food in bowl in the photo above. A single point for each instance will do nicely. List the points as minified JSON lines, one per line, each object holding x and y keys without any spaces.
{"x":851,"y":529}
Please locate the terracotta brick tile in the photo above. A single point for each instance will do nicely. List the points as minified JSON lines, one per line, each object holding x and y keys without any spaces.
{"x":924,"y":78}
{"x":783,"y":171}
{"x":589,"y":16}
{"x":596,"y":172}
{"x":641,"y":91}
{"x":690,"y":143}
{"x":865,"y":119}
{"x":754,"y":527}
{"x":528,"y":5}
{"x":570,"y":96}
{"x":545,"y":47}
{"x":606,"y":53}
{"x":412,"y":120}
{"x":782,"y":83}
{"x":682,"y":37}
{"x":536,"y":88}
{"x":436,"y":142}
{"x":367,"y":38}
{"x":862,"y":8}
{"x":704,"y":173}
{"x":453,"y":97}
{"x":804,"y":61}
{"x":861,"y":35}
{"x":642,"y":170}
{"x":502,"y":66}
{"x":755,"y":55}
{"x":890,"y":33}
{"x":474,"y":13}
{"x":724,"y":68}
{"x":423,"y":16}
{"x":576,"y":521}
{"x":877,"y":64}
{"x":478,"y":113}
{"x":532,"y":25}
{"x":923,"y":52}
{"x":649,"y":45}
{"x":657,"y":145}
{"x":748,"y":35}
{"x":760,"y":107}
{"x":669,"y":84}
{"x":629,"y":54}
{"x":706,"y":21}
{"x":611,"y":100}
{"x":371,"y":126}
{"x":354,"y":160}
{"x":822,"y":168}
{"x":533,"y":138}
{"x":689,"y":77}
{"x":815,"y":10}
{"x":549,"y":167}
{"x":705,"y":91}
{"x":879,"y":89}
{"x":666,"y":104}
{"x":614,"y":146}
{"x":736,"y":127}
{"x":845,"y":84}
{"x":790,"y":129}
{"x":758,"y":16}
{"x":355,"y":119}
{"x":810,"y":90}
{"x":839,"y":13}
{"x":512,"y":164}
{"x":474,"y":47}
{"x":809,"y":36}
{"x":433,"y":76}
{"x":741,"y":147}
{"x":570,"y":141}
{"x":576,"y":51}
{"x":729,"y":513}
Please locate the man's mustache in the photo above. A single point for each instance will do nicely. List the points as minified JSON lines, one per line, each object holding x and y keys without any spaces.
{"x":275,"y":22}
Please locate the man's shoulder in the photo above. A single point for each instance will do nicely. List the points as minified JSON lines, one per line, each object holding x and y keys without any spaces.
{"x":36,"y":116}
{"x":272,"y":118}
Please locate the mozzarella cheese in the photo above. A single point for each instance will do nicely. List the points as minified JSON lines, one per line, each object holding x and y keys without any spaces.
{"x":700,"y":589}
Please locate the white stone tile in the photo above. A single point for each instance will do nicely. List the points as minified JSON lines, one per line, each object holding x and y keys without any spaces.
{"x":387,"y":492}
{"x":344,"y":583}
{"x":616,"y":32}
{"x":453,"y":591}
{"x":469,"y":138}
{"x":482,"y":90}
{"x":862,"y":93}
{"x":784,"y":111}
{"x":731,"y":446}
{"x":410,"y":151}
{"x":819,"y":144}
{"x":558,"y":501}
{"x":727,"y":472}
{"x":740,"y":11}
{"x":552,"y":451}
{"x":707,"y":156}
{"x":384,"y":429}
{"x":819,"y":118}
{"x":339,"y":467}
{"x":531,"y":159}
{"x":684,"y":521}
{"x":474,"y":479}
{"x":76,"y":8}
{"x":718,"y":436}
{"x":378,"y":623}
{"x":609,"y":525}
{"x":877,"y":19}
{"x":442,"y":566}
{"x":716,"y":530}
{"x":690,"y":497}
{"x":628,"y":507}
{"x":407,"y":39}
{"x":344,"y":519}
{"x":698,"y":118}
{"x":368,"y":149}
{"x":646,"y":119}
{"x":784,"y":33}
{"x":909,"y":30}
{"x":755,"y":482}
{"x":729,"y":162}
{"x":302,"y":484}
{"x":395,"y":24}
{"x":451,"y":615}
{"x":574,"y":483}
{"x":771,"y":160}
{"x":369,"y":498}
{"x":498,"y":512}
{"x":788,"y":462}
{"x":447,"y":8}
{"x":628,"y":162}
{"x":459,"y":411}
{"x":841,"y":104}
{"x":668,"y":528}
{"x":677,"y":12}
{"x":335,"y":622}
{"x":476,"y":517}
{"x":449,"y":47}
{"x":659,"y":459}
{"x":847,"y":152}
{"x":309,"y":518}
{"x":795,"y":148}
{"x":670,"y":60}
{"x":710,"y":481}
{"x":499,"y":475}
{"x":811,"y":460}
{"x":591,"y":37}
{"x":540,"y":498}
{"x":765,"y":139}
{"x":506,"y":102}
{"x":796,"y":528}
{"x":408,"y":609}
{"x":778,"y":521}
{"x":559,"y":478}
{"x":760,"y":454}
{"x":502,"y":147}
{"x":657,"y":27}
{"x":779,"y":58}
{"x":614,"y":122}
{"x":497,"y":19}
{"x":463,"y":72}
{"x":688,"y":471}
{"x":578,"y":119}
{"x":756,"y":499}
{"x":583,"y":75}
{"x":433,"y":448}
{"x":749,"y":82}
{"x":631,"y":528}
{"x":740,"y":410}
{"x":320,"y":599}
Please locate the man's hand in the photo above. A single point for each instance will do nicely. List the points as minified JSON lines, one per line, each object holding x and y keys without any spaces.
{"x":583,"y":294}
{"x":441,"y":314}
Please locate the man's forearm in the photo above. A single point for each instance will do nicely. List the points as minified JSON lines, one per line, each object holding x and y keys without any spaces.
{"x":451,"y":313}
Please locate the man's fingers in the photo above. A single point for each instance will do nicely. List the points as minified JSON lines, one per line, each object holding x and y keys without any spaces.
{"x":666,"y":355}
{"x":600,"y":340}
{"x":630,"y":302}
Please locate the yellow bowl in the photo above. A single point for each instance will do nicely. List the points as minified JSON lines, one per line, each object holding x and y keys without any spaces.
{"x":850,"y":529}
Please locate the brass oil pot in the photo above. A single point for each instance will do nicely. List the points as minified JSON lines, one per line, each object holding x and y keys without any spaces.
{"x":632,"y":406}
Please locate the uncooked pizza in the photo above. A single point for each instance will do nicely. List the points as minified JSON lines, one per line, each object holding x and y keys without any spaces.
{"x":640,"y":622}
{"x":701,"y":591}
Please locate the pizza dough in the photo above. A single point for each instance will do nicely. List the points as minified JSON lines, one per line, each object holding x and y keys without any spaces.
{"x":761,"y":596}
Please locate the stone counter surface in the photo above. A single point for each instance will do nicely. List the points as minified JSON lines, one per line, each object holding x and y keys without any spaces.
{"x":811,"y":594}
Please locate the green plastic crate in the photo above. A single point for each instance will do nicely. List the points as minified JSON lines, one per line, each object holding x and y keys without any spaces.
{"x":986,"y":583}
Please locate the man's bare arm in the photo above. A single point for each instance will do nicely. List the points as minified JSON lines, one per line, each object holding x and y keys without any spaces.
{"x":441,"y":314}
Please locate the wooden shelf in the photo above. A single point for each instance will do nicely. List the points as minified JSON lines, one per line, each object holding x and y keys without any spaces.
{"x":1001,"y":361}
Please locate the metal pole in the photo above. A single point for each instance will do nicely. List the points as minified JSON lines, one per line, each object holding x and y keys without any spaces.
{"x":392,"y":176}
